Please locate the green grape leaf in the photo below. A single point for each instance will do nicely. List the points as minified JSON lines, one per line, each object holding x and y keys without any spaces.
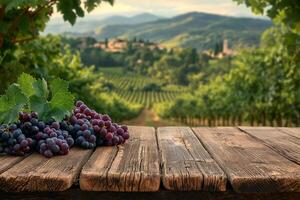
{"x":62,"y":101}
{"x":39,"y":105}
{"x":58,"y":106}
{"x":41,"y":88}
{"x":32,"y":94}
{"x":11,"y":103}
{"x":26,"y":82}
{"x":59,"y":85}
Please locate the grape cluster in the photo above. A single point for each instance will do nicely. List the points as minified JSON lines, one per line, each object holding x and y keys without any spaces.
{"x":85,"y":128}
{"x":53,"y":141}
{"x":15,"y":138}
{"x":30,"y":133}
{"x":90,"y":129}
{"x":50,"y":139}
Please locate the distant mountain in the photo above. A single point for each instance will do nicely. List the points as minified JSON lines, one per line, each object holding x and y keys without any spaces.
{"x":199,"y":30}
{"x":137,"y":19}
{"x":84,"y":26}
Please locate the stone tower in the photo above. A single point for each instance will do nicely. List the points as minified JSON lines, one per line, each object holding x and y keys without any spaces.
{"x":225,"y":46}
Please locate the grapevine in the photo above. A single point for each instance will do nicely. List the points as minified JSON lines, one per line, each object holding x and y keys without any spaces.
{"x":54,"y":124}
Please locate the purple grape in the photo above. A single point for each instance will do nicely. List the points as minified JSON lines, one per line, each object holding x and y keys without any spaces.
{"x":43,"y":147}
{"x":106,"y":118}
{"x":92,"y":139}
{"x":109,"y":136}
{"x":55,"y":125}
{"x":79,"y":103}
{"x":125,"y":135}
{"x":24,"y":143}
{"x":103,"y":132}
{"x":73,"y":120}
{"x":84,"y":127}
{"x":34,"y":115}
{"x":121,"y":139}
{"x":47,"y":129}
{"x":87,"y":112}
{"x":17,"y":147}
{"x":82,"y":107}
{"x":112,"y":129}
{"x":125,"y":128}
{"x":95,"y":122}
{"x":97,"y":116}
{"x":107,"y":124}
{"x":53,"y":134}
{"x":39,"y":136}
{"x":101,"y":123}
{"x":55,"y":149}
{"x":78,"y":115}
{"x":80,"y":122}
{"x":96,"y":129}
{"x":70,"y":141}
{"x":120,"y":131}
{"x":115,"y":140}
{"x":48,"y":154}
{"x":86,"y":134}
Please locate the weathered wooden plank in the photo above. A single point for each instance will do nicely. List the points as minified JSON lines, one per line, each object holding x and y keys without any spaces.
{"x":186,"y":165}
{"x":37,"y":173}
{"x":76,"y":194}
{"x":133,"y":166}
{"x":250,"y":165}
{"x":291,"y":131}
{"x":284,"y":144}
{"x":8,"y":161}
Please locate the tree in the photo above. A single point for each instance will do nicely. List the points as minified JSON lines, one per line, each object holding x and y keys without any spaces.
{"x":286,"y":12}
{"x":21,"y":21}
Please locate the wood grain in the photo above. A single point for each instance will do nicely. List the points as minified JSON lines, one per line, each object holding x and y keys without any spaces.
{"x":133,"y":166}
{"x":291,"y":131}
{"x":186,"y":165}
{"x":250,"y":165}
{"x":37,"y":173}
{"x":75,"y":193}
{"x":8,"y":161}
{"x":281,"y":142}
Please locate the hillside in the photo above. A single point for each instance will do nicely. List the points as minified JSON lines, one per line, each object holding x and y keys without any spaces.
{"x":84,"y":26}
{"x":199,"y":30}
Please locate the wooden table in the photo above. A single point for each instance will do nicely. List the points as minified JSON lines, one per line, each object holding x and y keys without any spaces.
{"x":165,"y":163}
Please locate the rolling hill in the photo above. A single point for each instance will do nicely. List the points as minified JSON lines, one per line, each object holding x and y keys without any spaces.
{"x":198,"y":30}
{"x":88,"y":25}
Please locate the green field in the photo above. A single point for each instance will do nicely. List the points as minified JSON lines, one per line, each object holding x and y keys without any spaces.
{"x":130,"y":87}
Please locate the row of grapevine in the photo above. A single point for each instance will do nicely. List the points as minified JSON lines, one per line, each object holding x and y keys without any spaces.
{"x":146,"y":98}
{"x":131,"y":88}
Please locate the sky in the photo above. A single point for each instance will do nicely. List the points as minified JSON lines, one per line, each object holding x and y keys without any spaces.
{"x":168,"y":8}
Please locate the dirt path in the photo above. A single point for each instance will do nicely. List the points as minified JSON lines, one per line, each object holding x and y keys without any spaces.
{"x":149,"y":118}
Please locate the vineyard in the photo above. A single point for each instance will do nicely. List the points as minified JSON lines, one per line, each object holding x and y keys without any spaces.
{"x":133,"y":88}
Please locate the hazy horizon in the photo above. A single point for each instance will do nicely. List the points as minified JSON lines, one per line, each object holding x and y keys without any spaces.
{"x":166,"y":8}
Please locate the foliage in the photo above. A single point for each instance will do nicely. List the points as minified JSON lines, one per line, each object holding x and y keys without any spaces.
{"x":34,"y":95}
{"x":172,"y":67}
{"x":286,"y":12}
{"x":47,"y":57}
{"x":23,"y":20}
{"x":262,"y":86}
